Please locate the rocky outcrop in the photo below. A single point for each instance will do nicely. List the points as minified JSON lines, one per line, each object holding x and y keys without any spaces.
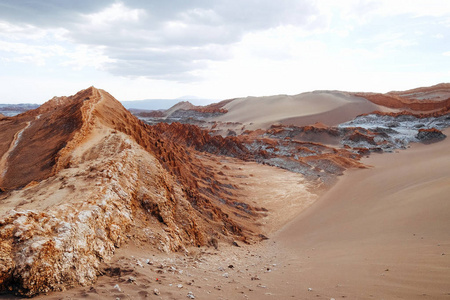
{"x":426,"y":100}
{"x":436,"y":92}
{"x":108,"y":178}
{"x":214,"y":107}
{"x":273,"y":147}
{"x":388,"y":132}
{"x":429,"y":136}
{"x":25,"y":157}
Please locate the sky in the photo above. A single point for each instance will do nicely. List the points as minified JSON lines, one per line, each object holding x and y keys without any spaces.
{"x":219,"y":49}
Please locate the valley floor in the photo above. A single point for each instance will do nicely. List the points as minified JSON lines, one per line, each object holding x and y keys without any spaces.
{"x":379,"y":233}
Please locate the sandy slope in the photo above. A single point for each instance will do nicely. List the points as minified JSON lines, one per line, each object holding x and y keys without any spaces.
{"x":315,"y":106}
{"x":381,"y":233}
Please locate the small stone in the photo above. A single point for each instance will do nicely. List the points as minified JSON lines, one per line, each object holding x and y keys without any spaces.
{"x":117,"y":287}
{"x":225,"y":275}
{"x":156,"y":292}
{"x":131,"y":279}
{"x":221,"y":269}
{"x":180,"y":286}
{"x":230,"y":266}
{"x":309,"y":289}
{"x":190,"y":295}
{"x":332,"y":299}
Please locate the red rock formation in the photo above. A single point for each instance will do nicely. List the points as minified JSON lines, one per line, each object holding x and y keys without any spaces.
{"x":95,"y":174}
{"x":437,"y":92}
{"x":214,"y":107}
{"x":147,"y":114}
{"x":358,"y":136}
{"x":425,"y":100}
{"x":24,"y":155}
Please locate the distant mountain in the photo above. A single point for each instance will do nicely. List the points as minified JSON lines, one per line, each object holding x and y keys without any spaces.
{"x":150,"y":104}
{"x":10,"y":110}
{"x":157,"y":104}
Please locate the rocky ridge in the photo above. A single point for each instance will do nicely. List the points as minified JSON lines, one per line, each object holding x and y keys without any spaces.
{"x":108,"y":178}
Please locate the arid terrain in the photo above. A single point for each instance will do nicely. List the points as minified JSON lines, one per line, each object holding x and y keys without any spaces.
{"x":322,"y":195}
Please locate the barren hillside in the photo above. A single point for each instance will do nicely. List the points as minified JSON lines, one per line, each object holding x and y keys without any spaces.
{"x":81,"y":175}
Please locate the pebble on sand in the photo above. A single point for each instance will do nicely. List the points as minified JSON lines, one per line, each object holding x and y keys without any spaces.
{"x":117,"y":287}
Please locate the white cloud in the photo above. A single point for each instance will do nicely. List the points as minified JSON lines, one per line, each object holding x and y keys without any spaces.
{"x":226,"y":46}
{"x":415,"y":8}
{"x":26,"y":53}
{"x":116,"y":13}
{"x":86,"y":57}
{"x":37,"y":46}
{"x":362,"y":10}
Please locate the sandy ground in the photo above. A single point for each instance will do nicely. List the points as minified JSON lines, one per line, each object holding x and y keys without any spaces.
{"x":282,"y":193}
{"x":379,"y":233}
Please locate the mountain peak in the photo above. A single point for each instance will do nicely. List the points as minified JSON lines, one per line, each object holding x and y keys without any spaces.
{"x":91,"y":172}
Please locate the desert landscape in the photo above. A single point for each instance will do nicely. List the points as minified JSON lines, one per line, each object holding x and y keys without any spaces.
{"x":321,"y":195}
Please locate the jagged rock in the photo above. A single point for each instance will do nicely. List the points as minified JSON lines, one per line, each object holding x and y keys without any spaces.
{"x":431,"y":135}
{"x":376,"y":133}
{"x":190,"y":295}
{"x":97,"y":172}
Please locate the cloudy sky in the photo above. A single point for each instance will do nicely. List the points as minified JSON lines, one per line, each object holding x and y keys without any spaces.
{"x":218,"y":49}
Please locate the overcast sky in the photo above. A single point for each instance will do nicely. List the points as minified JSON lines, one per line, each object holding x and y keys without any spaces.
{"x":219,"y":49}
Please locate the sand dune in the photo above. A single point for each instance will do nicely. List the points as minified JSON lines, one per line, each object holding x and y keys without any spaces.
{"x":314,"y":107}
{"x":380,"y":233}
